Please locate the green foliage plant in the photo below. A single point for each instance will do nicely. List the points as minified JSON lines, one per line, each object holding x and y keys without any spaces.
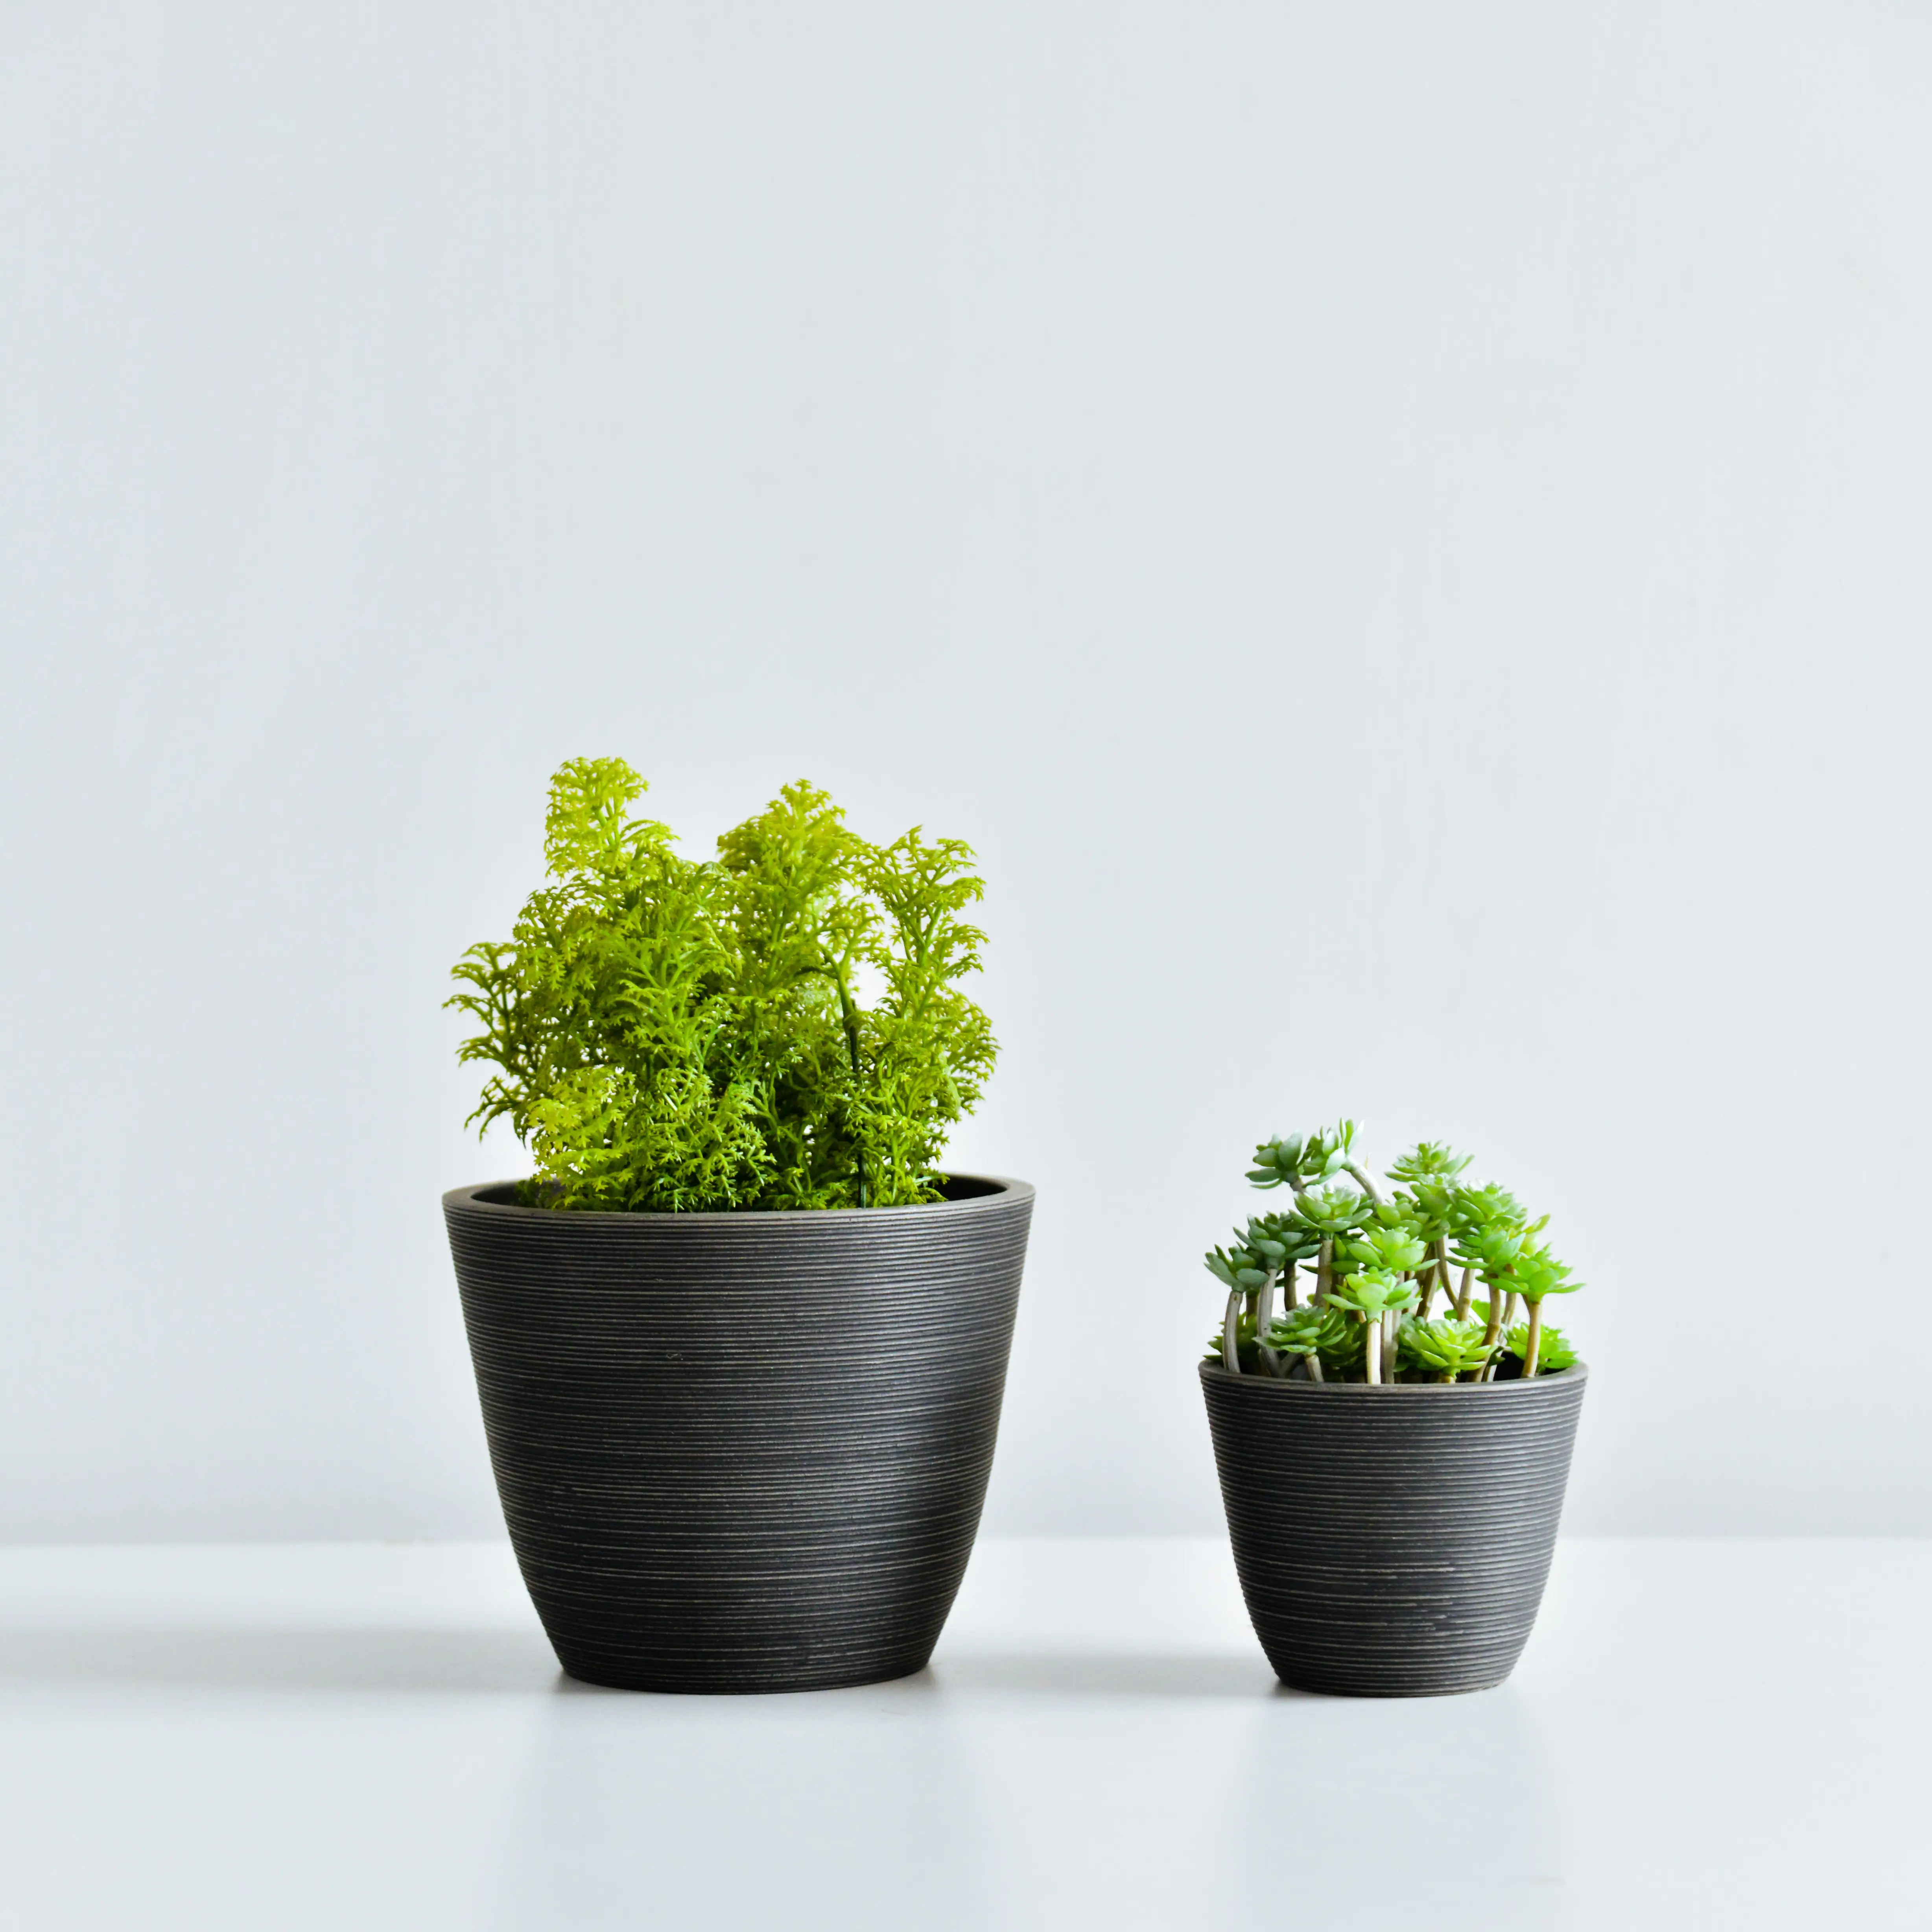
{"x":780,"y":1027}
{"x":1444,"y":1348}
{"x":1376,"y":1297}
{"x":1377,"y":1260}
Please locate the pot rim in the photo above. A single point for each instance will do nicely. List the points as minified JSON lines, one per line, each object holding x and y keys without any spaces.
{"x":1004,"y":1191}
{"x":1578,"y":1372}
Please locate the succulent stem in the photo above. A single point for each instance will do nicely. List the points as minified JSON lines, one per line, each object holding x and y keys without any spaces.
{"x":1231,"y":1353}
{"x":1491,"y":1329}
{"x":1264,"y":1321}
{"x":1533,"y":1347}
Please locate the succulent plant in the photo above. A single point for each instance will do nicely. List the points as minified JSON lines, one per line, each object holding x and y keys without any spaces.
{"x":1377,"y":1261}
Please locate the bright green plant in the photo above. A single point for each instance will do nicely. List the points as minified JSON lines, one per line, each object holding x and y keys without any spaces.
{"x":1390,"y":1250}
{"x":1489,"y":1229}
{"x":1377,"y":1296}
{"x":1538,"y":1274}
{"x":1240,"y":1271}
{"x":1377,"y":1262}
{"x":1555,"y":1355}
{"x":1329,"y":1343}
{"x":1444,"y":1349}
{"x":1428,"y":1172}
{"x":780,"y":1027}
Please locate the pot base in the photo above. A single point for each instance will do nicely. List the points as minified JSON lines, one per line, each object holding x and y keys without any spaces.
{"x":739,"y":1684}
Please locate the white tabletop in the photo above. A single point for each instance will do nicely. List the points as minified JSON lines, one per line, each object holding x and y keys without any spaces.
{"x":358,"y":1737}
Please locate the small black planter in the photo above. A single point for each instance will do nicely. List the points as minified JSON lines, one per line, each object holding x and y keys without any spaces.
{"x":1393,"y":1541}
{"x":742,"y":1452}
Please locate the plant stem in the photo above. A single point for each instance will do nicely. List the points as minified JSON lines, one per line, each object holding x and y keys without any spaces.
{"x":1362,"y":1181}
{"x":1324,"y":1266}
{"x":1463,"y":1294}
{"x":1291,"y":1300}
{"x":850,"y":1013}
{"x":1510,"y":1309}
{"x":1263,"y":1319}
{"x":1231,"y":1353}
{"x":1438,"y":1277}
{"x":1372,"y":1337}
{"x":1533,"y":1347}
{"x":1312,"y":1362}
{"x":1491,"y":1329}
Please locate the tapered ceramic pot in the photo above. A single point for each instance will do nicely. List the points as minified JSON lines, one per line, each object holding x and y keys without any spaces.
{"x":1393,"y":1540}
{"x":741,"y":1451}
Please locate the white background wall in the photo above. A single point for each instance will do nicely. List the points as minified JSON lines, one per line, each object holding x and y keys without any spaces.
{"x":1400,"y":532}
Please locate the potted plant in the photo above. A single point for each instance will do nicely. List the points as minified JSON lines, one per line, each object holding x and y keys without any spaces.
{"x":1392,"y":1445}
{"x":740,"y":1344}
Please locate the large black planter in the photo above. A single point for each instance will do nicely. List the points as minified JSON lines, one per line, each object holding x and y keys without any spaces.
{"x":1393,"y":1541}
{"x":748,"y":1451}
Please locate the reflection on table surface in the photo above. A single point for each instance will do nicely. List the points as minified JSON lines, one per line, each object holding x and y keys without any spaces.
{"x":378,"y":1735}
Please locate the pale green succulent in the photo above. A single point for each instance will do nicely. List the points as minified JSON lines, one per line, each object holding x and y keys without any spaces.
{"x":1378,"y":1262}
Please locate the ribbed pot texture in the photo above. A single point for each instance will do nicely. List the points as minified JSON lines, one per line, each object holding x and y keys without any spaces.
{"x":745,"y":1451}
{"x":1393,"y":1540}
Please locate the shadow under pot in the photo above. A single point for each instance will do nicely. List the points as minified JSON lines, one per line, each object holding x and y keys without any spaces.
{"x":1393,"y":1540}
{"x":742,"y":1452}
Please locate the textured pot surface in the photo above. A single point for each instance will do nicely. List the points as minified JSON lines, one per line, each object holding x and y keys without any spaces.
{"x":742,"y":1452}
{"x":1393,"y":1541}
